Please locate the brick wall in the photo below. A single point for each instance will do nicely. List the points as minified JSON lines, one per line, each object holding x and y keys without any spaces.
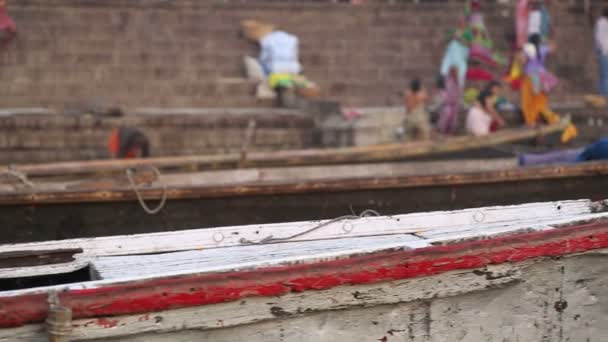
{"x":187,"y":53}
{"x":49,"y":137}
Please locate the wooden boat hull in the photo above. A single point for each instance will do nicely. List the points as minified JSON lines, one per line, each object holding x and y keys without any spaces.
{"x":88,"y":213}
{"x":491,"y":146}
{"x":527,"y":273}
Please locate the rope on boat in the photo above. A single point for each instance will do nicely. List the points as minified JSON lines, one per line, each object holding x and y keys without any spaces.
{"x":270,"y":238}
{"x":59,"y":320}
{"x":22,"y":177}
{"x":143,"y":204}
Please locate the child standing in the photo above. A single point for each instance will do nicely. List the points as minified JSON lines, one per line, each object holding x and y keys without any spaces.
{"x":417,"y":121}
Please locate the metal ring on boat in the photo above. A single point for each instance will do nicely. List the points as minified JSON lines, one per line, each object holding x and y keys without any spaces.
{"x":218,"y":237}
{"x":479,"y":216}
{"x":348,"y":227}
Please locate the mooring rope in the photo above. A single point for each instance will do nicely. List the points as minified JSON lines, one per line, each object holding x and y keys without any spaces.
{"x":143,"y":204}
{"x":270,"y":238}
{"x":22,"y":177}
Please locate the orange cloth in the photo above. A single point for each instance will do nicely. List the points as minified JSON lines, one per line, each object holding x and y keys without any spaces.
{"x":534,"y":105}
{"x":114,"y":143}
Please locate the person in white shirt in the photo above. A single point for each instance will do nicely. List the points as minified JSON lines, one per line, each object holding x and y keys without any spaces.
{"x":279,"y":53}
{"x":534,"y":19}
{"x":601,"y":44}
{"x":483,"y":118}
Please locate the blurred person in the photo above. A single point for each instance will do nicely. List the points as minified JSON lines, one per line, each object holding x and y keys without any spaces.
{"x":537,"y":82}
{"x":8,"y":29}
{"x":417,"y":120}
{"x":125,"y":143}
{"x":448,"y":114}
{"x":601,"y":44}
{"x":482,"y":118}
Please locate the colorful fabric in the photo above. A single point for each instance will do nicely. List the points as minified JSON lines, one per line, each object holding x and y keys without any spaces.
{"x":535,"y":107}
{"x":483,"y":55}
{"x":596,"y":151}
{"x":549,"y":158}
{"x":535,"y":104}
{"x":470,"y":96}
{"x":448,"y":115}
{"x":514,"y":77}
{"x":284,"y":80}
{"x":542,"y":79}
{"x":521,"y":22}
{"x":603,"y":69}
{"x":479,"y":74}
{"x":545,"y":23}
{"x":456,"y":55}
{"x":6,"y":22}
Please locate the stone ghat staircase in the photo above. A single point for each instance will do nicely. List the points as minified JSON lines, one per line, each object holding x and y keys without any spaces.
{"x":186,"y":53}
{"x":41,"y":136}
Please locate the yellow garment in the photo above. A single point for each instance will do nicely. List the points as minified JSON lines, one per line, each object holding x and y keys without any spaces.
{"x":280,"y":79}
{"x":536,"y":104}
{"x":516,"y":71}
{"x":569,"y":133}
{"x":470,"y":96}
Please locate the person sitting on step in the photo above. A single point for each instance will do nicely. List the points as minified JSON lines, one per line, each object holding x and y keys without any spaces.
{"x":125,"y":142}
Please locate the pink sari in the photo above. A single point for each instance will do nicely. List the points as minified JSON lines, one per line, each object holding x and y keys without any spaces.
{"x":521,"y":22}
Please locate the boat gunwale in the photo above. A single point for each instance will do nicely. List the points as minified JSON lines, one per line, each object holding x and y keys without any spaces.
{"x":27,"y":196}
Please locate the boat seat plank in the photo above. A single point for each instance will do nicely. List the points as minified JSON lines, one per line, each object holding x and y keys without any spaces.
{"x":242,"y":257}
{"x":269,"y":255}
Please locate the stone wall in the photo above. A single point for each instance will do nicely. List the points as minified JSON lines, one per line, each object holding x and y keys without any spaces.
{"x":50,"y":137}
{"x":187,"y":53}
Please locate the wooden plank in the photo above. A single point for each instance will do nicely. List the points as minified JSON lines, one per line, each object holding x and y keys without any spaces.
{"x":244,"y":257}
{"x":296,"y":157}
{"x":275,"y":175}
{"x":11,"y":259}
{"x":187,"y":191}
{"x":368,"y":226}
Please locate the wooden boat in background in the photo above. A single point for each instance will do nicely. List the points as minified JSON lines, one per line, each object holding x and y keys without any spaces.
{"x":487,"y":273}
{"x":450,"y":148}
{"x":52,"y":209}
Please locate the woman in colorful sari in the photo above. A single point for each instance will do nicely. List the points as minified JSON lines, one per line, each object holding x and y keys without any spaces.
{"x":537,"y":82}
{"x":448,"y":114}
{"x":457,"y":53}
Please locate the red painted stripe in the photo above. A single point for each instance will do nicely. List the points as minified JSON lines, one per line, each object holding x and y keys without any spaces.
{"x":196,"y":290}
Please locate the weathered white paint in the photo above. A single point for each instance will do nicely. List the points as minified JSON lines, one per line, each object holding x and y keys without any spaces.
{"x":368,"y":226}
{"x":248,"y":257}
{"x":244,"y":257}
